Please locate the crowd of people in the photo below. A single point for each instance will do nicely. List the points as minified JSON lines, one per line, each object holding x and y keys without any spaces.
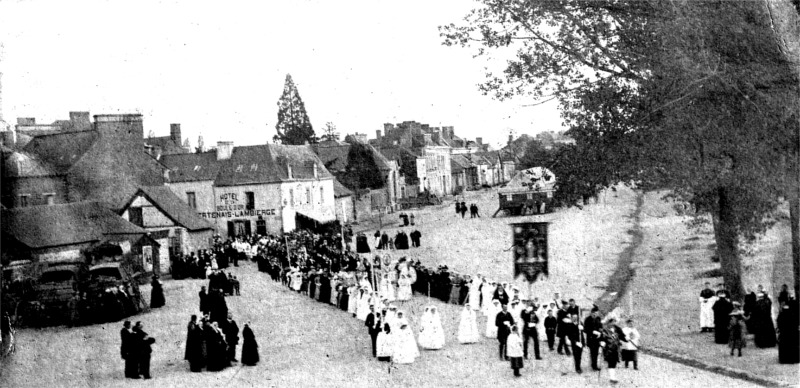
{"x":733,"y":321}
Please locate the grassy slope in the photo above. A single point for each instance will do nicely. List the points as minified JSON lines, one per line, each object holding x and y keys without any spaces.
{"x":666,"y":287}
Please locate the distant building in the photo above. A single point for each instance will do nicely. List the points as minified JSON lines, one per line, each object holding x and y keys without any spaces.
{"x":167,"y":145}
{"x":264,"y":189}
{"x":79,"y":161}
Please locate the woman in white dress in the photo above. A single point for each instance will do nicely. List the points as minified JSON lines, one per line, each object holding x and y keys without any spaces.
{"x":390,"y":317}
{"x":468,"y":328}
{"x":403,"y":288}
{"x":363,"y":304}
{"x":297,"y":279}
{"x":431,"y":333}
{"x":387,"y":288}
{"x":474,"y":293}
{"x":488,"y":292}
{"x":491,"y":329}
{"x":352,"y":299}
{"x":405,"y":349}
{"x":383,"y":344}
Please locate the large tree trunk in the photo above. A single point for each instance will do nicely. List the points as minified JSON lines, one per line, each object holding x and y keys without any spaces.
{"x":794,"y":216}
{"x":727,"y":238}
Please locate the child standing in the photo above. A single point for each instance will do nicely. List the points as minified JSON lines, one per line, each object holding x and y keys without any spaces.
{"x":736,"y":332}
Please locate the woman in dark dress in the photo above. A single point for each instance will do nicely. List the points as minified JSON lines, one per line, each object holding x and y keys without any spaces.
{"x":194,"y":346}
{"x":788,"y":349}
{"x":249,"y":347}
{"x":722,"y":308}
{"x":157,"y":294}
{"x":217,"y":349}
{"x":764,"y":334}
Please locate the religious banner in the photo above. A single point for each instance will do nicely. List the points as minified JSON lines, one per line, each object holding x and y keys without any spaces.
{"x":530,"y":249}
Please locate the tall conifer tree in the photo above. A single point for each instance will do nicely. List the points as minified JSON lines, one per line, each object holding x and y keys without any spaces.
{"x":293,"y":126}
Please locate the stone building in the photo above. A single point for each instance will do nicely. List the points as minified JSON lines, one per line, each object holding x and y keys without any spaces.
{"x":167,"y":145}
{"x":170,"y":221}
{"x":254,"y":189}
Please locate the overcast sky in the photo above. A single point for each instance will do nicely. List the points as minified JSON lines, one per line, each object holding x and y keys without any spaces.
{"x":218,"y":69}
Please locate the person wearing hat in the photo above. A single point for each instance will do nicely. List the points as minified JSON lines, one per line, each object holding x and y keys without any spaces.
{"x":591,"y":327}
{"x":736,"y":333}
{"x":722,"y":307}
{"x":501,"y":295}
{"x":788,"y":322}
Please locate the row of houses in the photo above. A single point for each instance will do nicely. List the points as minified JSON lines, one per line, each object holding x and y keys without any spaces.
{"x":155,"y":198}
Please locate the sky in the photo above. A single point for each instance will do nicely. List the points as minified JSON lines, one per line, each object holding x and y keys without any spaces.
{"x":218,"y":68}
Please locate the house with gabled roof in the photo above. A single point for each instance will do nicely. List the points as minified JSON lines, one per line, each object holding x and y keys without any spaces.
{"x":264,"y":189}
{"x":170,"y":220}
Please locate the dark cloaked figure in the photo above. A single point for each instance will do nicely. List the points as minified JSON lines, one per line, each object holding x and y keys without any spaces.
{"x":194,"y":346}
{"x":722,"y":308}
{"x":157,"y":295}
{"x":764,"y":334}
{"x":249,"y":347}
{"x":362,"y":245}
{"x":749,"y":307}
{"x":788,"y":321}
{"x":218,"y":308}
{"x":128,"y":352}
{"x":203,"y":300}
{"x":217,"y":349}
{"x":142,"y":343}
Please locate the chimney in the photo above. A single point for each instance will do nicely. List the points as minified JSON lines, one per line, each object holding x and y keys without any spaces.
{"x":427,"y":137}
{"x":388,"y":127}
{"x":127,"y":127}
{"x":25,"y":121}
{"x":436,"y":136}
{"x":80,"y":121}
{"x":224,"y":150}
{"x":175,"y":133}
{"x":378,"y":135}
{"x":479,"y":140}
{"x":510,"y":139}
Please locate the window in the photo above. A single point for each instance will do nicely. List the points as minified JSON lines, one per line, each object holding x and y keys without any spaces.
{"x":291,"y":197}
{"x":23,"y":200}
{"x":191,"y":199}
{"x":321,"y":195}
{"x":251,"y":200}
{"x":135,"y":216}
{"x":50,"y":199}
{"x":308,"y":195}
{"x":175,"y":248}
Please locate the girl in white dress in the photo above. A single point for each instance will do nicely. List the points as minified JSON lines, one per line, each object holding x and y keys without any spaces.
{"x":363,"y":304}
{"x":390,"y":317}
{"x":405,"y":349}
{"x":387,"y":288}
{"x":474,"y":293}
{"x":431,"y":334}
{"x":468,"y":328}
{"x":383,"y":344}
{"x":491,"y":329}
{"x":352,"y":300}
{"x":403,"y":288}
{"x":488,"y":293}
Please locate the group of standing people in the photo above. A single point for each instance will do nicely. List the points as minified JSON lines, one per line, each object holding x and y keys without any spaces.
{"x":135,"y":349}
{"x":461,"y":208}
{"x":731,"y":322}
{"x":212,"y":344}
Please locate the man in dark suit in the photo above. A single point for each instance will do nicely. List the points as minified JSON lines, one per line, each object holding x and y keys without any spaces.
{"x":126,"y":351}
{"x":575,"y":336}
{"x":231,"y":330}
{"x":529,"y":330}
{"x":141,"y":345}
{"x":503,"y":321}
{"x":574,"y":309}
{"x":374,"y":327}
{"x":550,"y":325}
{"x":591,"y":327}
{"x":561,"y":316}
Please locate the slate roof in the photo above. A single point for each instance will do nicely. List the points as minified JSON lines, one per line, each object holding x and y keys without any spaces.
{"x":334,"y":156}
{"x":339,"y":190}
{"x":173,"y":207}
{"x":265,"y":163}
{"x":455,"y":167}
{"x":67,"y":224}
{"x":167,"y":145}
{"x":62,"y":150}
{"x":462,"y":161}
{"x":23,"y":165}
{"x":192,"y":167}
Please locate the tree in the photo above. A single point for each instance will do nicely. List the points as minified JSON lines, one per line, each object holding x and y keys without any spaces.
{"x":361,"y":172}
{"x":293,"y":125}
{"x":688,"y":96}
{"x":330,"y":133}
